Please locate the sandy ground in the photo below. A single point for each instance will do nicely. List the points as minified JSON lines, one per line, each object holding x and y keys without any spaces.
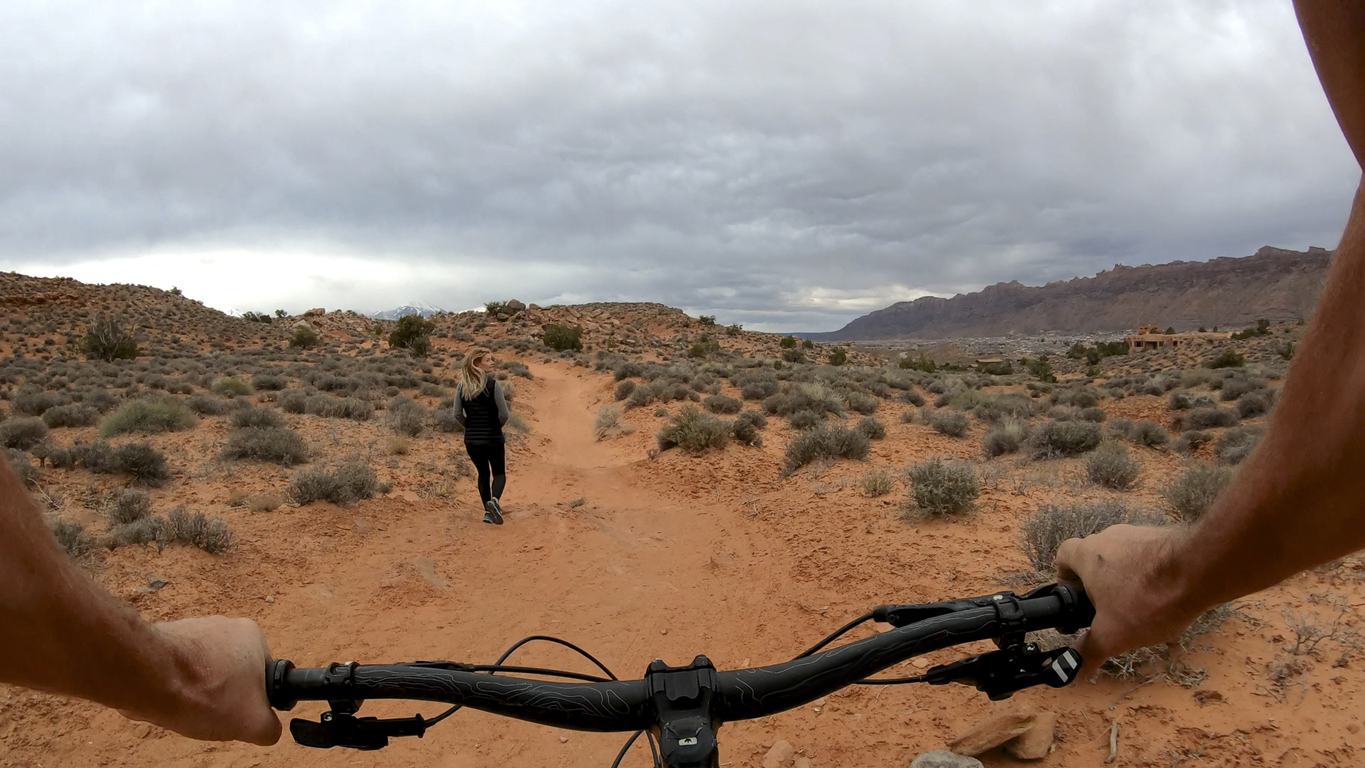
{"x":669,"y":558}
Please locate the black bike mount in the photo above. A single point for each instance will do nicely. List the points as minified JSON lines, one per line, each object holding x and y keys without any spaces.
{"x":340,"y":727}
{"x":682,"y":700}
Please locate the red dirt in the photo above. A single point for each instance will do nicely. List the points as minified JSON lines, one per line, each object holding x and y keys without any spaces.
{"x":669,"y":558}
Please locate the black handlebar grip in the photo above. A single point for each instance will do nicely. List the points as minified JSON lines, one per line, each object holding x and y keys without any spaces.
{"x":277,"y":685}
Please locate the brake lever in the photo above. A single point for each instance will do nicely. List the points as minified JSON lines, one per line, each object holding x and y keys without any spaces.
{"x":1000,"y":673}
{"x":341,"y":729}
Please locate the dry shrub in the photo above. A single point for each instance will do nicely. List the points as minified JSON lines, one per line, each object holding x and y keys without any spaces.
{"x":941,"y":488}
{"x":194,"y":529}
{"x":149,"y":416}
{"x":128,"y":506}
{"x":871,"y":427}
{"x":722,"y":404}
{"x":1237,"y":443}
{"x":20,"y":464}
{"x":1112,"y":467}
{"x":607,"y":423}
{"x":1191,"y":494}
{"x":71,"y":537}
{"x":1063,"y":438}
{"x":277,"y":445}
{"x":1052,"y":524}
{"x":347,"y":482}
{"x":264,"y":502}
{"x":1005,"y":437}
{"x":694,"y":431}
{"x":22,"y":434}
{"x":950,"y":423}
{"x":262,"y":418}
{"x":746,"y":425}
{"x":397,"y":445}
{"x":230,"y":386}
{"x":825,"y":442}
{"x":74,"y":415}
{"x":877,"y":482}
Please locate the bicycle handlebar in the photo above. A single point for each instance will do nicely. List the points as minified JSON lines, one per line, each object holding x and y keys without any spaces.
{"x":698,"y":691}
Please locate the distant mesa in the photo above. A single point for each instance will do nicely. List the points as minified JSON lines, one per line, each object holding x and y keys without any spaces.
{"x":420,"y":308}
{"x":1275,"y":284}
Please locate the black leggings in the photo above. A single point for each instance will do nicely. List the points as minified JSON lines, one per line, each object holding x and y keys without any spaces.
{"x":491,"y":462}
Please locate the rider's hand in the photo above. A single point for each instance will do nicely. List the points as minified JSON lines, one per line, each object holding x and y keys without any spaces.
{"x":1129,"y":573}
{"x":223,"y":697}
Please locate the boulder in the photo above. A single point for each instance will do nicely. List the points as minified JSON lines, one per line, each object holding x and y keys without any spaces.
{"x":942,"y":758}
{"x":515,"y":306}
{"x":315,"y":312}
{"x":991,"y":733}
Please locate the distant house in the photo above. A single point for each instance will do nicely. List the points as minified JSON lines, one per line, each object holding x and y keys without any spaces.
{"x":1151,"y":337}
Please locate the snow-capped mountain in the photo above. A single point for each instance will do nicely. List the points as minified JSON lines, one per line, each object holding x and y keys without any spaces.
{"x":420,"y":308}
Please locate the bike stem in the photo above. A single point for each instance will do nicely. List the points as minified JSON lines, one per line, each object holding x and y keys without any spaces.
{"x":682,"y":700}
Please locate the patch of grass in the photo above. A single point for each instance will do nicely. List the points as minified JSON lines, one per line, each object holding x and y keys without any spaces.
{"x":941,"y":488}
{"x":1063,"y":438}
{"x":149,"y":416}
{"x":1111,"y":466}
{"x":825,"y":442}
{"x":694,"y":431}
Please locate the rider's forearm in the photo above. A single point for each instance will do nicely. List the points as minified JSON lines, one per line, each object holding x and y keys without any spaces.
{"x":64,"y":634}
{"x":1299,"y":500}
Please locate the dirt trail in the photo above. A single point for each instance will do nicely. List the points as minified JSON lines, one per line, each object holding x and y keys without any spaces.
{"x":665,"y":558}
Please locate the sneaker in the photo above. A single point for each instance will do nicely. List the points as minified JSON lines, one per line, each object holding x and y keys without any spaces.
{"x":494,"y":512}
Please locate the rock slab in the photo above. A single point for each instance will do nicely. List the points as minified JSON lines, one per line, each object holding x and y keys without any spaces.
{"x":942,"y":758}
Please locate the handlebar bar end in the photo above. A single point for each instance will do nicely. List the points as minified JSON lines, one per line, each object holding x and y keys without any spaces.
{"x":276,"y":673}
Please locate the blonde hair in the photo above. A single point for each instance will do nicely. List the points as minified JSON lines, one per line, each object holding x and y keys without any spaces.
{"x":472,"y":378}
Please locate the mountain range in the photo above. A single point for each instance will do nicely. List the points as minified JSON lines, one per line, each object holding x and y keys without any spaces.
{"x":1274,"y":283}
{"x":420,"y":308}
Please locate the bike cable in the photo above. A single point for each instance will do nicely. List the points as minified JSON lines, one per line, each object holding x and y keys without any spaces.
{"x":835,"y":635}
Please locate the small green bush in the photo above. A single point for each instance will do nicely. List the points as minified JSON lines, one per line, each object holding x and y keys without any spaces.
{"x":941,"y":488}
{"x":230,"y":386}
{"x":150,"y":529}
{"x":22,"y":434}
{"x":1191,"y":494}
{"x":149,"y":416}
{"x":1228,"y":358}
{"x":838,"y":356}
{"x":805,"y":420}
{"x":1112,"y":467}
{"x":208,"y":405}
{"x":694,"y":431}
{"x":1207,"y":418}
{"x":303,"y":337}
{"x":1190,"y":441}
{"x":624,"y":389}
{"x":562,"y":337}
{"x":825,"y":442}
{"x":1093,"y":413}
{"x":413,"y":333}
{"x":268,"y":382}
{"x":1250,"y":405}
{"x":139,"y":461}
{"x":1063,"y":438}
{"x":106,"y":339}
{"x":197,"y":530}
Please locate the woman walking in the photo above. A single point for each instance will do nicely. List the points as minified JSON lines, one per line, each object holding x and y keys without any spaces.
{"x":481,"y":409}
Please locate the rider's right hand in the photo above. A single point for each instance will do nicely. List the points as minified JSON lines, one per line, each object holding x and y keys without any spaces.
{"x":220,"y":665}
{"x":1133,"y":576}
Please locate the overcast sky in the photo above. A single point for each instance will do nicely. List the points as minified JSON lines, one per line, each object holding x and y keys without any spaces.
{"x":789,"y":164}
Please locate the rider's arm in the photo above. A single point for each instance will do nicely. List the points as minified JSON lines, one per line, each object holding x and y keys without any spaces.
{"x":459,"y":407}
{"x":1299,"y":500}
{"x":501,"y":400}
{"x":204,"y":678}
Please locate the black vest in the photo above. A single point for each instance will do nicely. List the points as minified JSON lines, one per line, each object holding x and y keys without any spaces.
{"x":481,"y":423}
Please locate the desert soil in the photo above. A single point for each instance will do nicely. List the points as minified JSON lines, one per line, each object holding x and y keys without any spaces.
{"x":669,"y":558}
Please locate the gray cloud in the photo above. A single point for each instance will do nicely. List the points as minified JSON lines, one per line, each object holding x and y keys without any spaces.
{"x":787,"y":165}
